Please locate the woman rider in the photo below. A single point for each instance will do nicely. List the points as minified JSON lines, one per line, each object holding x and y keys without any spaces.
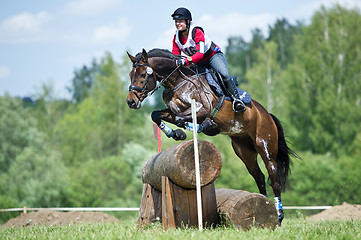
{"x":200,"y":49}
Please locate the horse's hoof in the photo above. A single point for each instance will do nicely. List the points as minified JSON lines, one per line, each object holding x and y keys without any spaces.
{"x":209,"y":127}
{"x":179,"y":135}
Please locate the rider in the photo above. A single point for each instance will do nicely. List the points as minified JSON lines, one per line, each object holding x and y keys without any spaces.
{"x":192,"y":41}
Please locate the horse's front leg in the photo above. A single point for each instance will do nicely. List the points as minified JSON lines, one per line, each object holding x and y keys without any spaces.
{"x":168,"y":116}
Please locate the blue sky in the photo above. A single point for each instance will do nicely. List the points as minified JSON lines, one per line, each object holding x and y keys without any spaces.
{"x":44,"y":41}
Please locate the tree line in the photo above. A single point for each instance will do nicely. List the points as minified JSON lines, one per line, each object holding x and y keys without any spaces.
{"x":89,"y":151}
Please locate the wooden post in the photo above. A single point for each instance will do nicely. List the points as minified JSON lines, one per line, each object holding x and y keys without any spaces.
{"x":25,"y":210}
{"x":196,"y":163}
{"x":179,"y":206}
{"x":150,"y":207}
{"x":168,"y":219}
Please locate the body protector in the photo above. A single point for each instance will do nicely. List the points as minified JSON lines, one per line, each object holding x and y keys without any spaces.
{"x":189,"y":48}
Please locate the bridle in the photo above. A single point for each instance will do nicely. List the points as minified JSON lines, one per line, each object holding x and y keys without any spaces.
{"x":150,"y":72}
{"x":143,"y":90}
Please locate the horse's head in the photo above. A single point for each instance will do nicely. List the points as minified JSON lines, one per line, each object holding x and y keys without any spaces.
{"x":142,"y":80}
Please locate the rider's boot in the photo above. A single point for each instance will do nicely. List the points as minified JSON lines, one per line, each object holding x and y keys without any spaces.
{"x":238,"y":105}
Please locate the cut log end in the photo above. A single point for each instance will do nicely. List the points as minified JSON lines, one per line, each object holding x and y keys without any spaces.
{"x":245,"y":210}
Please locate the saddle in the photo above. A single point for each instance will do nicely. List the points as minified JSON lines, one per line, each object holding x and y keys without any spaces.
{"x":213,"y":79}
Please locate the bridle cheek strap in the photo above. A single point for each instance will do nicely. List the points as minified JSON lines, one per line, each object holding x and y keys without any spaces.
{"x":143,"y":90}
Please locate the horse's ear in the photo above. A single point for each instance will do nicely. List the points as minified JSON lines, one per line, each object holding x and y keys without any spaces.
{"x":144,"y":56}
{"x":131,"y":58}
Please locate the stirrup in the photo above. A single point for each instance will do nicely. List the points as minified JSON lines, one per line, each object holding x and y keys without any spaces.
{"x":238,"y":106}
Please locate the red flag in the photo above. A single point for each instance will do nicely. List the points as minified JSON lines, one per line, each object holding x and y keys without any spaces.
{"x":157,"y":135}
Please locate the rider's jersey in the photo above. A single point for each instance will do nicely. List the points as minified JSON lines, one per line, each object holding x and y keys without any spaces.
{"x":197,"y":45}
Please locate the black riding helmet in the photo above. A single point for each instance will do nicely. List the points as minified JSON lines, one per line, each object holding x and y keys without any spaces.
{"x":182,"y":13}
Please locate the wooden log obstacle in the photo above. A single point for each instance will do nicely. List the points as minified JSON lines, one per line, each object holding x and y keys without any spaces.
{"x":244,"y":209}
{"x":169,"y":193}
{"x":169,"y":184}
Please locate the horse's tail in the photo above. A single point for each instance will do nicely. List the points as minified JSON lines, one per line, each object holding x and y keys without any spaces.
{"x":283,"y":155}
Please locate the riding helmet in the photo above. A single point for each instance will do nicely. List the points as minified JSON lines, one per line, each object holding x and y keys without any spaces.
{"x":182,"y":13}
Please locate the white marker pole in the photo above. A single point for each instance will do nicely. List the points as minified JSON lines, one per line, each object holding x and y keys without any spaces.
{"x":196,"y":160}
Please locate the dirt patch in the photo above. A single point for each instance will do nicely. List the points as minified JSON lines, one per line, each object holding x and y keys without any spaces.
{"x":50,"y":218}
{"x":341,"y":212}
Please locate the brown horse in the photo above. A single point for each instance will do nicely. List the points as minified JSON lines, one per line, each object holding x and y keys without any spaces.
{"x":252,"y":132}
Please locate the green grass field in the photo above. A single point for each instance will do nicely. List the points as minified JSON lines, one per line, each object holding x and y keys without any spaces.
{"x":291,"y":229}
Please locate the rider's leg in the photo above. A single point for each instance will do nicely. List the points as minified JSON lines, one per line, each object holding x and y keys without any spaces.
{"x":218,"y":62}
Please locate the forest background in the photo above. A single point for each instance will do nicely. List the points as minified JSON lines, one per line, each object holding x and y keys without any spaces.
{"x":88,"y":151}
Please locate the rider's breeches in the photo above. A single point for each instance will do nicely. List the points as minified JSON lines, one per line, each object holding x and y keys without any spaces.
{"x":218,"y":62}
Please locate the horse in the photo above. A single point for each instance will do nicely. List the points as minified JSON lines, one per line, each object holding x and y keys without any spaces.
{"x":252,"y":132}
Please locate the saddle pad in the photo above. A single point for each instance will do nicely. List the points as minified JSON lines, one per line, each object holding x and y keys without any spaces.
{"x":245,"y":96}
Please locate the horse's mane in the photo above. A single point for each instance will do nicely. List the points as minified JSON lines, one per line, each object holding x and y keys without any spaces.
{"x":156,"y":52}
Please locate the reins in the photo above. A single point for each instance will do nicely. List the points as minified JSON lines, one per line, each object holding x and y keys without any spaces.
{"x":186,"y":79}
{"x":162,"y":81}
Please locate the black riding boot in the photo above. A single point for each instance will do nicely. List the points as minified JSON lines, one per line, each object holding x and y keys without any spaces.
{"x":238,"y":105}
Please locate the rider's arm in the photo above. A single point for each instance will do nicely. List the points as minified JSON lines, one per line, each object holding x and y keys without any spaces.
{"x":175,"y":49}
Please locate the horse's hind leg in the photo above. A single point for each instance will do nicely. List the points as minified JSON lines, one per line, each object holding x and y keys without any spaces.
{"x":244,"y":148}
{"x":268,"y":148}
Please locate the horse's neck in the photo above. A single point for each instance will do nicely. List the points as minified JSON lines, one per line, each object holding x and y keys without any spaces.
{"x":165,"y":68}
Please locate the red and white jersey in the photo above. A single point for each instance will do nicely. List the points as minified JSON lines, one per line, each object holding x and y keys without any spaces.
{"x":197,"y":45}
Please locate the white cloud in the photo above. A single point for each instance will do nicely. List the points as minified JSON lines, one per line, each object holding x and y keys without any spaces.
{"x":25,"y":22}
{"x":90,"y":7}
{"x":113,"y":33}
{"x":164,"y":40}
{"x":24,"y":27}
{"x":4,"y":72}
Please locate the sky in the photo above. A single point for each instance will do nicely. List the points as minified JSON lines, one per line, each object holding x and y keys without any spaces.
{"x":44,"y":42}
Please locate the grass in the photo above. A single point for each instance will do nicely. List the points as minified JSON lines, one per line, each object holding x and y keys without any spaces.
{"x":291,"y":229}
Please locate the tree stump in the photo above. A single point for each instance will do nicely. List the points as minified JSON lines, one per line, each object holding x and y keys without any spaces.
{"x":245,"y":210}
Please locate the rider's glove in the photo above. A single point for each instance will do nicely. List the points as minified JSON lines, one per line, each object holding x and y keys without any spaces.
{"x":181,"y":62}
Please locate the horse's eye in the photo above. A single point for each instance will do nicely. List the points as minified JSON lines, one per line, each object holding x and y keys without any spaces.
{"x":143,"y":75}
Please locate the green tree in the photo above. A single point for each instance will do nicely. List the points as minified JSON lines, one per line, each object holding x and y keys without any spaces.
{"x":242,"y":55}
{"x":48,"y":109}
{"x":283,"y":33}
{"x":38,"y":178}
{"x":83,"y":81}
{"x":337,"y":181}
{"x":100,"y":182}
{"x":102,"y":123}
{"x":238,"y":59}
{"x":16,"y":128}
{"x":264,"y":77}
{"x":323,"y":82}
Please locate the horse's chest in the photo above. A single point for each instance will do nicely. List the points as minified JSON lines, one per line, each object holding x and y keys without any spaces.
{"x":181,"y":102}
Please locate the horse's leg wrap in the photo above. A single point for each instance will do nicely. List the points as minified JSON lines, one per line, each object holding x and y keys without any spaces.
{"x":278,"y":204}
{"x":181,"y":122}
{"x":189,"y":126}
{"x":166,"y":129}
